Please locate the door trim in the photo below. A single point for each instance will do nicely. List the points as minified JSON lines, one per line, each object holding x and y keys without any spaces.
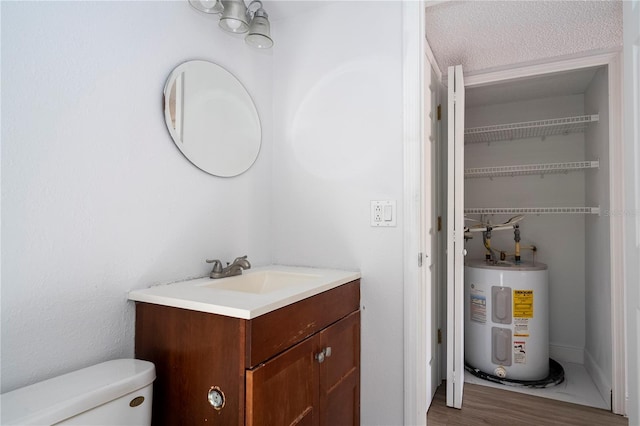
{"x":415,"y":302}
{"x":539,"y":68}
{"x":631,"y":109}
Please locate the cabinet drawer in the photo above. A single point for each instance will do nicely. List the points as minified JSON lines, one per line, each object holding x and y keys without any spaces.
{"x":272,"y":333}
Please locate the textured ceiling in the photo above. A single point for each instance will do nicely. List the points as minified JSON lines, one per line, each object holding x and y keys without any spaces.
{"x":482,"y":35}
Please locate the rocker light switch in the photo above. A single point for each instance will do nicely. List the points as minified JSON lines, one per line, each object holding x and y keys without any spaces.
{"x":388,"y":213}
{"x":383,"y":213}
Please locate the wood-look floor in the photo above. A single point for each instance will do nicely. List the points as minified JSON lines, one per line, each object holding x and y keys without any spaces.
{"x":483,"y":405}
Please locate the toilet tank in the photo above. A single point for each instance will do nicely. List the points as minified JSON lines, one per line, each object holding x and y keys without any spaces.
{"x":116,"y":392}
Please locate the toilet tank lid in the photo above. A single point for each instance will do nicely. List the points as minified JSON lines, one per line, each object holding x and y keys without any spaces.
{"x":61,"y":397}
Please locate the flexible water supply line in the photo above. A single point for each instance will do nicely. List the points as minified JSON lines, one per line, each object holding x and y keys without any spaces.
{"x":490,"y":255}
{"x":486,"y":228}
{"x":516,"y":237}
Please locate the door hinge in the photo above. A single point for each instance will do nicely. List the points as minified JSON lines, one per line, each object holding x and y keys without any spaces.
{"x":419,"y":260}
{"x":439,"y":336}
{"x":439,"y":112}
{"x":439,"y":223}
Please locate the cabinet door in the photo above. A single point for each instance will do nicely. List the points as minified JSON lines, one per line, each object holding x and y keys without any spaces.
{"x":284,"y":390}
{"x":192,"y":351}
{"x":340,"y":373}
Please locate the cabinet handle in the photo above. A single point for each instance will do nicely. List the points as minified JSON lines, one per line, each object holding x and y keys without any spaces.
{"x":325,"y":353}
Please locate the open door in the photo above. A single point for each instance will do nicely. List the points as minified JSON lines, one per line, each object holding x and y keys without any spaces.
{"x":431,"y":191}
{"x":455,"y":238}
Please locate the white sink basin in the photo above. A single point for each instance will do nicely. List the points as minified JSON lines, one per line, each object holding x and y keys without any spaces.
{"x":256,"y":292}
{"x":260,"y":282}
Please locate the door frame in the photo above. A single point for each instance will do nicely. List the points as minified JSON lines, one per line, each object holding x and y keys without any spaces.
{"x":613,"y":60}
{"x":416,"y":301}
{"x":416,"y":244}
{"x":631,"y":43}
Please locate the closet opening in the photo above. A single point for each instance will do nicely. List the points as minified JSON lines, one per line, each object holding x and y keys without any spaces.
{"x":538,"y":218}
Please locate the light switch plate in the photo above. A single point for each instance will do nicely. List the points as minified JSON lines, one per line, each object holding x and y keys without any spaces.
{"x":383,"y":213}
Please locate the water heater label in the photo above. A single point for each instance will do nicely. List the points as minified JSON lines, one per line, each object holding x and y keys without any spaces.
{"x":519,"y":352}
{"x":478,"y":305}
{"x":523,"y":303}
{"x":521,"y":327}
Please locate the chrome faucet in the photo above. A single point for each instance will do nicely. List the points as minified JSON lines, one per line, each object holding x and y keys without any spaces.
{"x":230,"y":270}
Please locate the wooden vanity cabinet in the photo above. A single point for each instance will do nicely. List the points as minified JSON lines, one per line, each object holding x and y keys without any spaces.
{"x":298,"y":365}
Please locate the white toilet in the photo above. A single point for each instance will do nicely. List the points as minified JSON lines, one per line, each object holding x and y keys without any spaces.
{"x":115,"y":392}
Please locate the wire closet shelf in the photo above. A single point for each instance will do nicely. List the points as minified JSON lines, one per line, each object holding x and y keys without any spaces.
{"x":529,"y":169}
{"x":528,"y":129}
{"x":532,"y":210}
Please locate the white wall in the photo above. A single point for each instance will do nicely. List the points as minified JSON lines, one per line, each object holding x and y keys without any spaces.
{"x":559,"y":238}
{"x":598,"y":353}
{"x":96,"y":199}
{"x":338,"y":145}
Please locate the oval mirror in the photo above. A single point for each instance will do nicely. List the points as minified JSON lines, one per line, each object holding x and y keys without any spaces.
{"x":211,"y":118}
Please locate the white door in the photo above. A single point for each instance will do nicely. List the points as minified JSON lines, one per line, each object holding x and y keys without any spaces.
{"x":455,"y":238}
{"x":431,"y":190}
{"x":632,"y":200}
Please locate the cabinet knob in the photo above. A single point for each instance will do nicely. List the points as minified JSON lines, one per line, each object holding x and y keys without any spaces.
{"x":216,"y":398}
{"x":325,"y":353}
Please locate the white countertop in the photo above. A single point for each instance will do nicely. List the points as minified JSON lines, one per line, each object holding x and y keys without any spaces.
{"x":198,"y":295}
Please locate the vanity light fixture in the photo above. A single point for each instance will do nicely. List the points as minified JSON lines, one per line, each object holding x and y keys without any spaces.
{"x":237,"y":18}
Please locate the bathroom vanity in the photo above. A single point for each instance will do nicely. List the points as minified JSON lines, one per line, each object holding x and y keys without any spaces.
{"x":295,"y":364}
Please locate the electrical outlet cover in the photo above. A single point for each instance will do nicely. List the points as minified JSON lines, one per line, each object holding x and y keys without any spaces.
{"x":383,"y":213}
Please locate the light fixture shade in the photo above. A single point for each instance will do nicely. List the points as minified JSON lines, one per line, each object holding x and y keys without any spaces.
{"x":207,"y":6}
{"x":234,"y":17}
{"x":259,"y":31}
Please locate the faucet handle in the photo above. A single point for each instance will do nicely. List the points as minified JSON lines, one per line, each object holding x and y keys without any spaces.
{"x":217,"y":265}
{"x":243,"y":262}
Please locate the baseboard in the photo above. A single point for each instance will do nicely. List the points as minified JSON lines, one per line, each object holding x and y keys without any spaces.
{"x":566,"y":353}
{"x":598,"y":376}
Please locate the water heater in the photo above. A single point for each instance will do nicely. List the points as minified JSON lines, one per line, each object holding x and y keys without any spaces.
{"x":507,"y":319}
